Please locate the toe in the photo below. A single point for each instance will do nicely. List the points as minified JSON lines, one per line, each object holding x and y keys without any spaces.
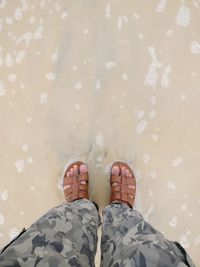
{"x":123,"y":170}
{"x":83,"y":168}
{"x":71,"y":172}
{"x":76,"y":169}
{"x":115,"y":170}
{"x":127,"y":172}
{"x":68,"y":174}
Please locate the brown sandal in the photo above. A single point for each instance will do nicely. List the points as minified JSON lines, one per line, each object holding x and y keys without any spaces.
{"x":72,"y":186}
{"x":121,"y":192}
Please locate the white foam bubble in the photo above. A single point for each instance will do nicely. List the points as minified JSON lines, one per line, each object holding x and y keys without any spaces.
{"x":184,"y":241}
{"x":152,"y":75}
{"x":173,"y":222}
{"x":19,"y":165}
{"x":146,"y":158}
{"x":184,"y":206}
{"x":140,"y":114}
{"x":141,"y":126}
{"x":32,"y":188}
{"x":195,"y":47}
{"x":38,"y":32}
{"x":64,"y":15}
{"x":54,"y":56}
{"x":2,"y":89}
{"x":169,"y":32}
{"x":27,"y":37}
{"x":161,"y":6}
{"x":18,"y":14}
{"x":98,"y":85}
{"x":155,"y":138}
{"x":177,"y":161}
{"x":136,"y":16}
{"x":20,"y":56}
{"x":12,"y":77}
{"x":29,"y":119}
{"x":182,"y":97}
{"x":43,"y":98}
{"x":4,"y":195}
{"x":183,"y":16}
{"x":78,"y":85}
{"x":124,"y":76}
{"x":77,"y":107}
{"x":171,"y":186}
{"x":108,"y":12}
{"x":2,"y":219}
{"x":21,"y":212}
{"x":85,"y":31}
{"x":110,"y":64}
{"x":50,"y":76}
{"x":121,"y":21}
{"x":25,"y":147}
{"x":13,"y":232}
{"x":9,"y":61}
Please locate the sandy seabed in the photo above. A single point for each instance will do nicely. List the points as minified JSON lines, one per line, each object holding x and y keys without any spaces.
{"x":101,"y":81}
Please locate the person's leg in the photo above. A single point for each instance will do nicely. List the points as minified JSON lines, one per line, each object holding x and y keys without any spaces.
{"x":127,"y":240}
{"x":64,"y":236}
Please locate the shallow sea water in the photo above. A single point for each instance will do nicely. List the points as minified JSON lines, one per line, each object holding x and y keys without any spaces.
{"x":101,"y":81}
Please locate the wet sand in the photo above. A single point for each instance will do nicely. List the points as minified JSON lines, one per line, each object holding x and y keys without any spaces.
{"x":101,"y":81}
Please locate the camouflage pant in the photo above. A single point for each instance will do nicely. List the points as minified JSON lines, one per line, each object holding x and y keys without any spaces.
{"x":67,"y":236}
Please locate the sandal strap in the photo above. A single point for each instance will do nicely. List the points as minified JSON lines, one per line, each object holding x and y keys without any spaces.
{"x":83,"y":177}
{"x":122,"y":180}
